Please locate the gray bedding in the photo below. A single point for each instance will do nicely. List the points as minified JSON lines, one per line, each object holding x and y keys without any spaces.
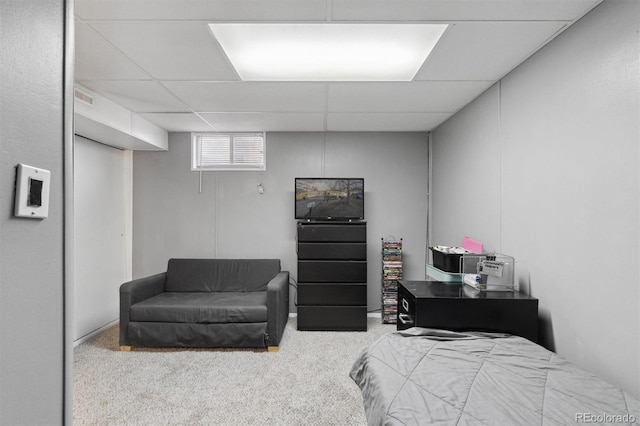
{"x":424,"y":376}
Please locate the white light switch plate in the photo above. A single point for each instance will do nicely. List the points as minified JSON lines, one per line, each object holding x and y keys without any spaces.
{"x":32,"y":192}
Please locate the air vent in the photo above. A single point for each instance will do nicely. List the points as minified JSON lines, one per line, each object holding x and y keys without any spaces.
{"x":83,"y":97}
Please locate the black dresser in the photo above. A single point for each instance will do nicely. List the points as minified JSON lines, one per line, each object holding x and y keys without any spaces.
{"x":455,"y":306}
{"x":332,"y":276}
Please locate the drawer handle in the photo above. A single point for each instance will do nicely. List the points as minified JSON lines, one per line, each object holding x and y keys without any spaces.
{"x":405,"y":304}
{"x":405,"y":319}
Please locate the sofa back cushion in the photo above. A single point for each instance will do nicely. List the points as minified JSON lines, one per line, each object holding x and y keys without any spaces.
{"x":220,"y":274}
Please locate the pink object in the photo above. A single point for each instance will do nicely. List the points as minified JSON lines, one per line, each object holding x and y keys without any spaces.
{"x":472,"y":245}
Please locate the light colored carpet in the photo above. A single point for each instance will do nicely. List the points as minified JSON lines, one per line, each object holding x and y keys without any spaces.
{"x":305,"y":383}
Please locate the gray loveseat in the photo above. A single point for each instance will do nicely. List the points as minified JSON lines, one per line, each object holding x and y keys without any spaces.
{"x":207,"y":303}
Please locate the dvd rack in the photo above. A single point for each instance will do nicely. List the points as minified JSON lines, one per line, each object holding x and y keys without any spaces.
{"x":391,"y":274}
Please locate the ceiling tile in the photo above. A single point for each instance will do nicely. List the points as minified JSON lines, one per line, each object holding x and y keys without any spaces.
{"x":138,"y":96}
{"x":266,"y":122}
{"x":485,"y":50}
{"x":459,"y":10}
{"x":209,"y":10}
{"x":425,"y":96}
{"x":95,"y":58}
{"x":170,"y":50}
{"x":250,"y":97}
{"x":178,"y":122}
{"x":159,"y":59}
{"x":384,"y":122}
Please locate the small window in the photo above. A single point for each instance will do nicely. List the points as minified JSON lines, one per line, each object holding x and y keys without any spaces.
{"x":228,"y":151}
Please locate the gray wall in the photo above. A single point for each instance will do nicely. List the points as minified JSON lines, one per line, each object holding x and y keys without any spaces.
{"x":546,"y":165}
{"x":231,"y":219}
{"x":31,"y":251}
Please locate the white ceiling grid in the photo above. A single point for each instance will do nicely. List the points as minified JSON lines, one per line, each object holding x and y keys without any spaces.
{"x":158,"y":58}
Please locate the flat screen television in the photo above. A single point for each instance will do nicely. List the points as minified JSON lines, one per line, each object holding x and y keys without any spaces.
{"x":324,"y":199}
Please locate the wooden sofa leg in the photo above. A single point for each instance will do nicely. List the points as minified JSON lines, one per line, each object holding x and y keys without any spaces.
{"x":125,"y":348}
{"x":273,"y":348}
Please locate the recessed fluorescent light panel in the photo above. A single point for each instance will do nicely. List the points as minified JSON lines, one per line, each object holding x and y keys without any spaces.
{"x":327,"y":52}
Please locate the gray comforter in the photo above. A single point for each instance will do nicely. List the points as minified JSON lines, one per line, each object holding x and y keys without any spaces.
{"x":423,"y":376}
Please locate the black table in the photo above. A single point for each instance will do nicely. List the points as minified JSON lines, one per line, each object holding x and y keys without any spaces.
{"x":456,"y":306}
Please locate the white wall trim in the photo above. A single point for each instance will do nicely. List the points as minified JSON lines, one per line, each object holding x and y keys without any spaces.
{"x":94,"y":333}
{"x":68,"y":202}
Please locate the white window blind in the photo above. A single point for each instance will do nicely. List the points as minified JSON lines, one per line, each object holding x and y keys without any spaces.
{"x":228,"y":151}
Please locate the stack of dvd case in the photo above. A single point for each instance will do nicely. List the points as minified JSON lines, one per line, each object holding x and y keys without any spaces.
{"x":391,"y":273}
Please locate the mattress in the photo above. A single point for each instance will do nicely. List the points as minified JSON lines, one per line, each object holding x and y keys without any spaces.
{"x":425,"y":376}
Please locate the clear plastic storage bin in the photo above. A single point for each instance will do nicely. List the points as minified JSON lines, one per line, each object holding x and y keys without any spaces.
{"x":488,"y":271}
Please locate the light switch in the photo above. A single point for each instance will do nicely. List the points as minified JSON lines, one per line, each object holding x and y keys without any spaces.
{"x":32,"y":192}
{"x":35,"y":193}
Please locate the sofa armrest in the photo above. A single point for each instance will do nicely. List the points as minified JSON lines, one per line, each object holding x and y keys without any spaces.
{"x":133,"y":292}
{"x":277,"y":307}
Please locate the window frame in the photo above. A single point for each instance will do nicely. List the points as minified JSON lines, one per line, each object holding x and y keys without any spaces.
{"x":196,"y":163}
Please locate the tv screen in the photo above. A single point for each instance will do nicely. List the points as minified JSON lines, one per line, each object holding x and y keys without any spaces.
{"x":329,"y":198}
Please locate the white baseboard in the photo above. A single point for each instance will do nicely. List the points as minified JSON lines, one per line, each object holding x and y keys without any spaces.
{"x":94,"y":333}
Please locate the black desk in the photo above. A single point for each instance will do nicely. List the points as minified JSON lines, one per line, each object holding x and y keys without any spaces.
{"x":455,"y":306}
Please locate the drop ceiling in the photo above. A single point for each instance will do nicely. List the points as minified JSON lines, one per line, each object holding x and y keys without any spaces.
{"x":158,"y":59}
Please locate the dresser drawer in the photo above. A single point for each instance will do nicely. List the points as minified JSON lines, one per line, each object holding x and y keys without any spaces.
{"x":332,"y":251}
{"x":332,"y":318}
{"x":338,"y":294}
{"x":322,"y":232}
{"x":323,"y":271}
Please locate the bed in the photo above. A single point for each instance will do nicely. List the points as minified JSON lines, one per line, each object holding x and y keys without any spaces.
{"x":426,"y":376}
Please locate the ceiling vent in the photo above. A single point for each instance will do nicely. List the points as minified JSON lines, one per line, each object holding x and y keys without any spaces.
{"x":83,"y":97}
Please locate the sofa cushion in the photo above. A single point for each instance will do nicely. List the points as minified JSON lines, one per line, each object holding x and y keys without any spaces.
{"x":202,"y":275}
{"x":203,"y":308}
